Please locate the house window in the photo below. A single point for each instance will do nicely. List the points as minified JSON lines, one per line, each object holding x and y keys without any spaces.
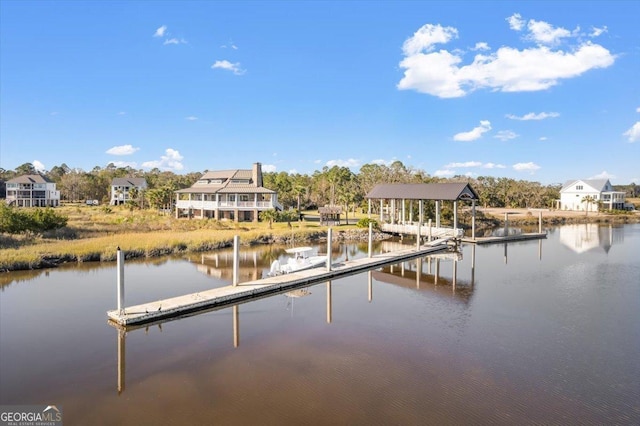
{"x":244,"y":197}
{"x":578,"y":187}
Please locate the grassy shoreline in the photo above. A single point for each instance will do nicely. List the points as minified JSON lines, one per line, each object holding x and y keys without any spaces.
{"x":93,"y":235}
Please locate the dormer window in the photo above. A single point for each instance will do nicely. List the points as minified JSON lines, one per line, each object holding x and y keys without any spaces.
{"x":578,"y":187}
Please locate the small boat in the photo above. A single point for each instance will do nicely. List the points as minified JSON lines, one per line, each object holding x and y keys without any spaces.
{"x":300,"y":260}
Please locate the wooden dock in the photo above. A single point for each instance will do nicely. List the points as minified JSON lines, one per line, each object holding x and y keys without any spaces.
{"x":229,"y":295}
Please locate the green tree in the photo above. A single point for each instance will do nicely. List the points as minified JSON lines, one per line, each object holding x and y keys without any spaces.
{"x":270,"y":216}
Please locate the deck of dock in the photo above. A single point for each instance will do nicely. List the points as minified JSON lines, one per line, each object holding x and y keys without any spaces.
{"x":505,"y":239}
{"x":229,"y":295}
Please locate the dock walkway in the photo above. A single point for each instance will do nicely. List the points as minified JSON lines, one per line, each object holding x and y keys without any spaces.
{"x":228,"y":295}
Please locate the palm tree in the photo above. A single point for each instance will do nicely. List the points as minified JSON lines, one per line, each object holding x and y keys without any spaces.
{"x":589,"y":199}
{"x":269,"y":215}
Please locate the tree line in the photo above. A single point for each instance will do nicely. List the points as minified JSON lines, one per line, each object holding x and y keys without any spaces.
{"x":329,"y":186}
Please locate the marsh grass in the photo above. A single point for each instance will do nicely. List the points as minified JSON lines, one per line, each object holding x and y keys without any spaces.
{"x":93,"y":234}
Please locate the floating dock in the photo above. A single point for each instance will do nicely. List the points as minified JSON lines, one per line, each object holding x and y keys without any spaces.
{"x":232,"y":294}
{"x":505,"y":239}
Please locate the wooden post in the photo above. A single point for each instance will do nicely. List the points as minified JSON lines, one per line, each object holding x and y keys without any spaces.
{"x":455,"y":215}
{"x":121,"y":360}
{"x":370,"y":239}
{"x":473,"y":219}
{"x":540,"y":222}
{"x":438,"y":214}
{"x":236,"y":259}
{"x":370,"y":282}
{"x":506,"y":224}
{"x":418,"y":238}
{"x":429,"y":237}
{"x":120,"y":267}
{"x":329,"y":237}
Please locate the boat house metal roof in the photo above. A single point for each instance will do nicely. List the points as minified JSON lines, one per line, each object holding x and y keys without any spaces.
{"x":424,"y":191}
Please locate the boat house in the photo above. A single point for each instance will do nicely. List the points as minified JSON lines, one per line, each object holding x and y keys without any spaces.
{"x":401,"y":207}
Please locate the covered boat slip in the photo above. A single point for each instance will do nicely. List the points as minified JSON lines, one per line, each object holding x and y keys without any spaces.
{"x":397,"y":208}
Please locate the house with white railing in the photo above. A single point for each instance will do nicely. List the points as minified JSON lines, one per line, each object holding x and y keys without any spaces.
{"x":236,"y":195}
{"x":32,"y":191}
{"x":126,"y":189}
{"x":590,"y":195}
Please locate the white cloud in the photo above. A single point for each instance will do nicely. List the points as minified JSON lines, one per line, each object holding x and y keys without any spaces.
{"x":444,"y":173}
{"x":494,"y":166}
{"x":526,"y":167}
{"x":122,"y":113}
{"x":343,"y":163}
{"x":505,"y":135}
{"x":426,"y":37}
{"x":465,"y":164}
{"x":474,"y":134}
{"x":516,"y":22}
{"x":633,"y":134}
{"x":481,"y":45}
{"x":122,"y":150}
{"x":544,"y":33}
{"x":638,"y":109}
{"x":596,"y":32}
{"x":226,"y":65}
{"x":171,"y":161}
{"x":230,"y":45}
{"x":603,"y":175}
{"x":382,"y":162}
{"x":160,"y":31}
{"x":191,"y":118}
{"x":441,"y":73}
{"x":174,"y":40}
{"x":269,"y":168}
{"x":38,"y":166}
{"x":543,"y":138}
{"x":534,"y":116}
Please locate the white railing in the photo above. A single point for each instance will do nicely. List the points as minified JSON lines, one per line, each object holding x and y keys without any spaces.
{"x":425,"y":231}
{"x":213,"y":205}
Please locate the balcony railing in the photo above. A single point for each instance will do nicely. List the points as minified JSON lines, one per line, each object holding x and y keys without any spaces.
{"x":215,"y":205}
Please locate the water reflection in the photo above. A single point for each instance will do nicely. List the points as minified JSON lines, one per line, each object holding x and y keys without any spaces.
{"x":589,"y":236}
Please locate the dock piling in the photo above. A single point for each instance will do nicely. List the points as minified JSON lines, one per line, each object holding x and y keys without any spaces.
{"x":329,"y":238}
{"x":370,"y":248}
{"x":236,"y":259}
{"x":120,"y":279}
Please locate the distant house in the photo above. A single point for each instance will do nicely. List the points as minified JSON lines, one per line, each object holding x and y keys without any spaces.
{"x":236,"y":195}
{"x":574,"y":192}
{"x":121,"y":189}
{"x":32,"y":191}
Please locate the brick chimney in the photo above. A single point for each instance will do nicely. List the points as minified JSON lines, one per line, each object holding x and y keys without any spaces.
{"x":257,"y":174}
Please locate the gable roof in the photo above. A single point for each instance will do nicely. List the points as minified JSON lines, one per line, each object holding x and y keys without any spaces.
{"x":129,"y":182}
{"x":424,"y":191}
{"x":597,"y":184}
{"x":30,"y":179}
{"x":227,"y":186}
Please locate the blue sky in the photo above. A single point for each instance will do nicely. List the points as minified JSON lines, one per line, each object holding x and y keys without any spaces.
{"x":543,"y":91}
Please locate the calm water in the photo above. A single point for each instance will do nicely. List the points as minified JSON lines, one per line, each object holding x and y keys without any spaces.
{"x":536,"y":332}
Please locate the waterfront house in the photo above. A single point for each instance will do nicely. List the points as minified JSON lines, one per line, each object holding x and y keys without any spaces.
{"x":124,"y":189}
{"x":32,"y":191}
{"x":236,"y":195}
{"x":590,"y":195}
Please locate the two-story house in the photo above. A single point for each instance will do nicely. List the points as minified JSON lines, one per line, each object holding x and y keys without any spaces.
{"x":32,"y":191}
{"x":236,"y":195}
{"x":122,"y":189}
{"x":589,"y":194}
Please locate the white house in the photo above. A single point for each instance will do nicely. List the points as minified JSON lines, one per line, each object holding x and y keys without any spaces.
{"x":121,"y":189}
{"x":32,"y":191}
{"x":236,"y":195}
{"x":574,"y":195}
